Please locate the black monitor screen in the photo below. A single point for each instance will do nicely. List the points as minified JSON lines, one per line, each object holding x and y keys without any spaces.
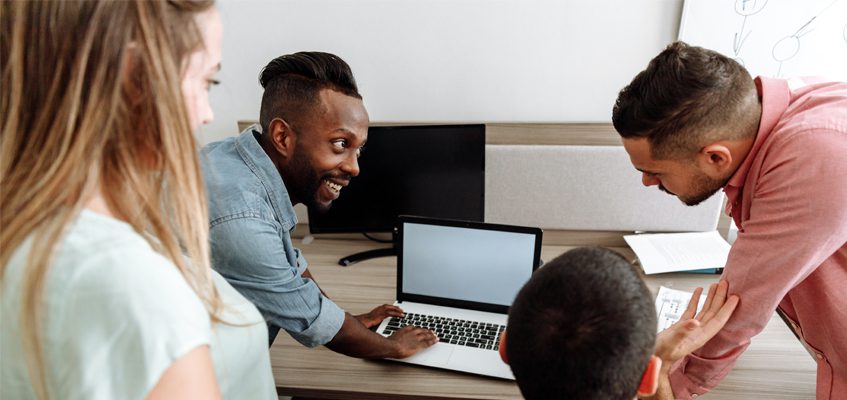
{"x":435,"y":171}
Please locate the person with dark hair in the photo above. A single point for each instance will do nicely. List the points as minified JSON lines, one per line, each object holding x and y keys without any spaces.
{"x":313,"y":125}
{"x":584,"y":327}
{"x":694,"y":122}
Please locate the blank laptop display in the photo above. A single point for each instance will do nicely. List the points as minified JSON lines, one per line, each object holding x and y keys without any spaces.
{"x":465,"y":263}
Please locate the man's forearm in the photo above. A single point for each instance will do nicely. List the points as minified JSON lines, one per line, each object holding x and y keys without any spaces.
{"x":355,"y":340}
{"x":663,"y":391}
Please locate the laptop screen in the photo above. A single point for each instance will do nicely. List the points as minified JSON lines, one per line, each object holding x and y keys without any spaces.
{"x":472,"y":265}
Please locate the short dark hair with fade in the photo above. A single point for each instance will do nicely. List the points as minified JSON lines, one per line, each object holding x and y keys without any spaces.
{"x":293,"y":82}
{"x":686,"y":98}
{"x":583,"y":327}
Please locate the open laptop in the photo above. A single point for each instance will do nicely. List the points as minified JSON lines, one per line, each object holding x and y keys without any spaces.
{"x":458,"y":279}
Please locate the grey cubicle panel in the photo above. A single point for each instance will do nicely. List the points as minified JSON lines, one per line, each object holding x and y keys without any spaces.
{"x":583,"y":188}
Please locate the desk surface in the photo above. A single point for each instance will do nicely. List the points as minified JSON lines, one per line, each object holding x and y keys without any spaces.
{"x":775,"y":366}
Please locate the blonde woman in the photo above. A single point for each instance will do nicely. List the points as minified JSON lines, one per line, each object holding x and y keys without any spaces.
{"x":106,"y":287}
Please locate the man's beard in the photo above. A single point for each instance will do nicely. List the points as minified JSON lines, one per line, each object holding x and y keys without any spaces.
{"x":704,"y":188}
{"x":303,"y":182}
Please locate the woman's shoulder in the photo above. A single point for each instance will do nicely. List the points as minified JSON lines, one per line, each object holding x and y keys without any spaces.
{"x":104,"y":256}
{"x":110,"y":300}
{"x":122,"y":301}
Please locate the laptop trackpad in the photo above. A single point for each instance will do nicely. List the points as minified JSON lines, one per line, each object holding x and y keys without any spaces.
{"x":437,"y":355}
{"x":480,"y":361}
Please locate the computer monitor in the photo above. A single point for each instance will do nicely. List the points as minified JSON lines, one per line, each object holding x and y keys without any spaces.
{"x":435,"y":171}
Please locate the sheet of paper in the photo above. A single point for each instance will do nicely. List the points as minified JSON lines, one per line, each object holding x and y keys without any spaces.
{"x":671,"y":303}
{"x":669,"y":252}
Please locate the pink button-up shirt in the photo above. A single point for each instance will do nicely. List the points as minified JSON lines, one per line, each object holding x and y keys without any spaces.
{"x":789,"y":201}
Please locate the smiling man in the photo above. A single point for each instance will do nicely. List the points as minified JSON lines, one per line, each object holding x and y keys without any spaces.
{"x":694,"y":122}
{"x":313,"y":127}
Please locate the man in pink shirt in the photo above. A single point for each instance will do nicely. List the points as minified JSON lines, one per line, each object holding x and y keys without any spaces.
{"x":694,"y":122}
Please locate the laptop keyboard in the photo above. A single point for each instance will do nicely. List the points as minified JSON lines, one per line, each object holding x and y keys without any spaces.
{"x":454,"y":331}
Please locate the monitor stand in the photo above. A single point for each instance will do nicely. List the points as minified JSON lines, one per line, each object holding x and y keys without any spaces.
{"x":367,"y":255}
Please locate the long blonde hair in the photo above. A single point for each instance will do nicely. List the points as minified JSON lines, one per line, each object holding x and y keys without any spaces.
{"x":75,"y":122}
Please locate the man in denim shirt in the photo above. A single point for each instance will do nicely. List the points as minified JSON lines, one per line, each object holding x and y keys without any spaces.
{"x":313,"y":126}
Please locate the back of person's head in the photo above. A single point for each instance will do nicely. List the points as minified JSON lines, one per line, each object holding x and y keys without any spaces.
{"x":583,"y":327}
{"x":92,"y":104}
{"x":293,"y":83}
{"x":686,"y":98}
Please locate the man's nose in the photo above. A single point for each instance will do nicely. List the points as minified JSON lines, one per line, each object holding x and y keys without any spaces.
{"x":649,"y":180}
{"x":351,"y":166}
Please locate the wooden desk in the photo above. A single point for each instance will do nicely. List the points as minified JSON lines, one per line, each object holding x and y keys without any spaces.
{"x":775,"y":366}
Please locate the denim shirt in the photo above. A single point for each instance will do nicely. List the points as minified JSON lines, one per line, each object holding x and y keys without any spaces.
{"x":251,"y":218}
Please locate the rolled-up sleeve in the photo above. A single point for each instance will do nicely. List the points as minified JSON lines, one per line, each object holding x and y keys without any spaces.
{"x":259,"y":260}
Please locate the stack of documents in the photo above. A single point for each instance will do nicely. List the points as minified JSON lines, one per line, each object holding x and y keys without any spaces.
{"x":670,"y":252}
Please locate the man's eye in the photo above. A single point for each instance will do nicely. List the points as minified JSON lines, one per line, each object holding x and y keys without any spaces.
{"x":341,"y":143}
{"x":359,"y":151}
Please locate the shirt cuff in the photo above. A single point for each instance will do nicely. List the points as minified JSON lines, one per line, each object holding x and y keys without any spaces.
{"x":324,"y":327}
{"x":682,"y":386}
{"x":302,"y":264}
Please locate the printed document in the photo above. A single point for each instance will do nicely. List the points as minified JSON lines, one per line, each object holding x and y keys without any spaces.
{"x":671,"y":303}
{"x":670,"y":252}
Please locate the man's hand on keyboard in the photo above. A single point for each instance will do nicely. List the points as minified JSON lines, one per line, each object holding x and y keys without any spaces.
{"x":378,"y":314}
{"x":411,"y":339}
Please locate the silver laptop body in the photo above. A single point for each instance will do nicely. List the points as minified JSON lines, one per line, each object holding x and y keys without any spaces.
{"x":459,"y":278}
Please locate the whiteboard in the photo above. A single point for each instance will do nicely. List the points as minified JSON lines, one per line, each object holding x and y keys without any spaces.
{"x":777,"y":38}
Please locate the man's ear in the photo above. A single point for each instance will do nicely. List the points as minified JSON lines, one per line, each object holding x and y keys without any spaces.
{"x":503,"y":348}
{"x":715,"y":159}
{"x":282,"y":137}
{"x":650,"y":380}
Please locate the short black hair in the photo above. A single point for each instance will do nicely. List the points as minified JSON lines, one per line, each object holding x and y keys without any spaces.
{"x":293,"y":82}
{"x":687,"y":97}
{"x":583,"y":327}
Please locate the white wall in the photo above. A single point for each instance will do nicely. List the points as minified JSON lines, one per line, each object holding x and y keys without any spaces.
{"x":450,"y":61}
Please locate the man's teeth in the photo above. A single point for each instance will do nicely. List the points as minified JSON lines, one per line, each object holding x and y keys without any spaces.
{"x":334,"y":186}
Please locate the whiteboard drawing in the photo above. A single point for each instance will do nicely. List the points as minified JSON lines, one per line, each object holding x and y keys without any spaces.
{"x":788,"y":47}
{"x":745,"y":8}
{"x":772,"y":38}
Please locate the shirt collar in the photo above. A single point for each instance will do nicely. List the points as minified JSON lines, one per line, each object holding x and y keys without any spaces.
{"x":258,"y":161}
{"x":775,"y":96}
